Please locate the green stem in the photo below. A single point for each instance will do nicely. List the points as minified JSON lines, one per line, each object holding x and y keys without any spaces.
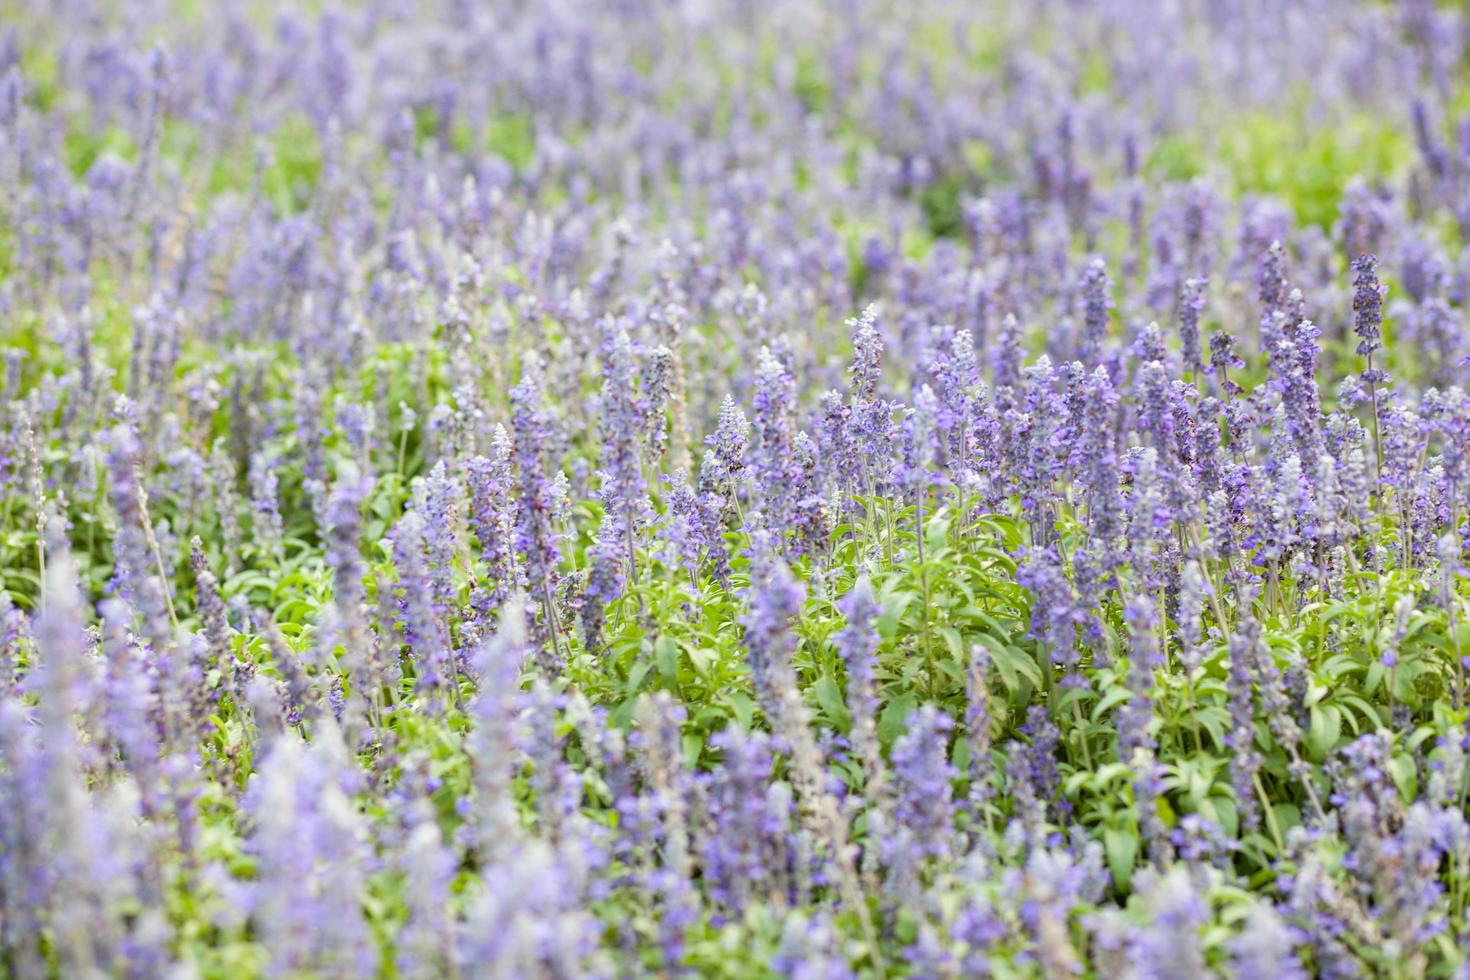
{"x":1270,"y":815}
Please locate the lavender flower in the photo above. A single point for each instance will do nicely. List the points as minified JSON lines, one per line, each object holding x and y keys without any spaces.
{"x":1136,"y":748}
{"x":265,"y":502}
{"x":858,"y":644}
{"x":312,"y":854}
{"x":977,"y":729}
{"x":1095,"y":289}
{"x":367,"y":413}
{"x":135,"y":577}
{"x":620,"y":414}
{"x":1264,"y":947}
{"x":1194,"y":589}
{"x":1368,"y":298}
{"x":1169,"y":945}
{"x":1245,"y":760}
{"x":1273,"y":286}
{"x":771,"y":453}
{"x":438,"y":502}
{"x":1191,"y":305}
{"x":924,"y":807}
{"x":494,"y":759}
{"x":809,"y":951}
{"x":1054,"y":613}
{"x":745,"y":850}
{"x":657,"y":381}
{"x":536,"y":536}
{"x":493,"y":514}
{"x":424,"y":635}
{"x":605,"y":578}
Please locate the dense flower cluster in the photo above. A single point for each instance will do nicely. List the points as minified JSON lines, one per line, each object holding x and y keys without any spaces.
{"x":825,"y":489}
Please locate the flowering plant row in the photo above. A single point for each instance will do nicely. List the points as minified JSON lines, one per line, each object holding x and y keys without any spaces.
{"x":810,"y":489}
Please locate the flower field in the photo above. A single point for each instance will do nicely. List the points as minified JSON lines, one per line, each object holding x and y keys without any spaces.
{"x":672,"y":488}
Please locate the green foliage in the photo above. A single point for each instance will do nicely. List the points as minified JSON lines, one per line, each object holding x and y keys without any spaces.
{"x":678,"y":633}
{"x":1308,"y":167}
{"x":941,"y":202}
{"x":1304,"y":164}
{"x":513,"y":137}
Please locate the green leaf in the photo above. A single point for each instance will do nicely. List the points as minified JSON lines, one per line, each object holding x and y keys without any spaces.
{"x":955,"y":642}
{"x":693,"y":746}
{"x":1026,"y":664}
{"x":635,"y":677}
{"x":984,"y":619}
{"x":891,"y":722}
{"x":666,"y":655}
{"x":703,"y":659}
{"x":1114,"y":697}
{"x":1213,"y":721}
{"x":1012,"y":662}
{"x":894,"y":605}
{"x":829,"y":697}
{"x":960,"y":757}
{"x":1288,"y":815}
{"x":1325,"y":729}
{"x":743,"y":707}
{"x":1405,"y":776}
{"x":706,"y":717}
{"x":1225,"y":814}
{"x":1121,"y":847}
